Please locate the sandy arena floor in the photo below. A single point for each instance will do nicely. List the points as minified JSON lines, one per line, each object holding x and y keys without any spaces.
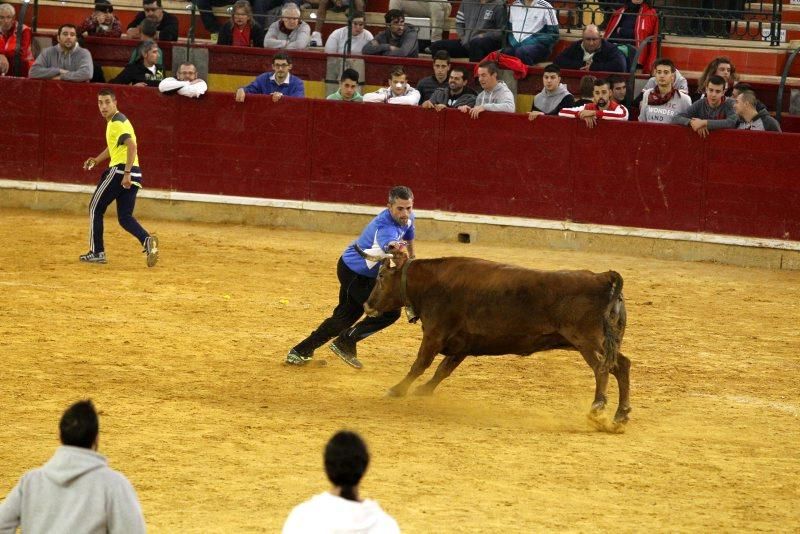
{"x":217,"y":435}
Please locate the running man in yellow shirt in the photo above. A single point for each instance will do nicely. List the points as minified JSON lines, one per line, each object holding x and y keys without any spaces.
{"x":120,"y":182}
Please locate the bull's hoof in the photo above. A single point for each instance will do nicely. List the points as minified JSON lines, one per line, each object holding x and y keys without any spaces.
{"x":395,"y":392}
{"x":621,"y":417}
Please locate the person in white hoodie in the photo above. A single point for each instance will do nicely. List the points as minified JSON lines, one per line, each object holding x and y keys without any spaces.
{"x":75,"y":492}
{"x":341,"y":510}
{"x":399,"y":91}
{"x":496,"y":96}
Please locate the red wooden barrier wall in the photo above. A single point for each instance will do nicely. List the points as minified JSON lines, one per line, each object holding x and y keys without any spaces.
{"x":628,"y":174}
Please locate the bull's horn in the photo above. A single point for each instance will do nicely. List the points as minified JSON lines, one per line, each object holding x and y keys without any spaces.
{"x":372,"y":257}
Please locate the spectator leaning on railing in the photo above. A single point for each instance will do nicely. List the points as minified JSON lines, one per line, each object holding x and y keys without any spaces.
{"x":242,"y":29}
{"x":496,"y":96}
{"x":167,"y":23}
{"x":66,"y":60}
{"x":663,"y":103}
{"x":398,"y":39}
{"x":480,"y":25}
{"x":456,"y":94}
{"x":8,"y":43}
{"x":348,"y":88}
{"x":278,"y":83}
{"x":427,"y":85}
{"x":146,"y":70}
{"x":713,"y":112}
{"x":185,"y":83}
{"x":601,"y":107}
{"x":102,"y":22}
{"x":534,"y":31}
{"x":399,"y":91}
{"x":750,"y":118}
{"x":289,"y":32}
{"x":554,"y":95}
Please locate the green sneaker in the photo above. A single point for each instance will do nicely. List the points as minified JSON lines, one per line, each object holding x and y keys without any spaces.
{"x":295,"y":358}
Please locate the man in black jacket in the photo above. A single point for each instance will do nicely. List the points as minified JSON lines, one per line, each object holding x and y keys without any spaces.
{"x":146,"y":70}
{"x":592,"y":53}
{"x":167,"y":23}
{"x":457,"y":93}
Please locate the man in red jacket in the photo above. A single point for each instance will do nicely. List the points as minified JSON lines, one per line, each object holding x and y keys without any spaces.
{"x":8,"y":43}
{"x":629,"y":26}
{"x":602,"y":106}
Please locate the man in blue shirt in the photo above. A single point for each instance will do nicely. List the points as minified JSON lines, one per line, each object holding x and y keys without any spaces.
{"x":278,"y":83}
{"x":357,"y":278}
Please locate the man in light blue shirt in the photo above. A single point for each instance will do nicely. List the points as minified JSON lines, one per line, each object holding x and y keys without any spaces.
{"x":357,"y":278}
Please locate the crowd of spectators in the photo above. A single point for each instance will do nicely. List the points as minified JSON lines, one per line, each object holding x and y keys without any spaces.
{"x":532,"y":31}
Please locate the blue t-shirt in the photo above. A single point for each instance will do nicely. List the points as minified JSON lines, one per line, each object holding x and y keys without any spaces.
{"x":381,"y":231}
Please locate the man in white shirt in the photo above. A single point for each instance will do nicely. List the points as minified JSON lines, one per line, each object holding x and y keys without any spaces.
{"x":358,"y":37}
{"x":185,"y":83}
{"x":399,"y":91}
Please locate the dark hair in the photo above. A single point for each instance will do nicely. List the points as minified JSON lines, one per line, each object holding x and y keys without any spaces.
{"x":358,"y":15}
{"x":107,"y":92}
{"x":441,"y":55}
{"x":149,"y":28}
{"x":749,"y":97}
{"x":103,"y":6}
{"x":282,"y":55}
{"x":587,"y":86}
{"x":393,"y":14}
{"x":462,"y":70}
{"x":600,"y":82}
{"x":490,"y":66}
{"x":401,"y":192}
{"x":79,"y":425}
{"x":615,"y":79}
{"x":552,"y":67}
{"x":711,"y":70}
{"x":742,"y":87}
{"x":346,"y":461}
{"x":148,"y":2}
{"x":665,"y":62}
{"x":716,"y":80}
{"x":397,"y":70}
{"x":67,"y":26}
{"x":349,"y":74}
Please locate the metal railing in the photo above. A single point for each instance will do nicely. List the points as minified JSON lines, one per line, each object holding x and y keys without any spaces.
{"x":782,"y":85}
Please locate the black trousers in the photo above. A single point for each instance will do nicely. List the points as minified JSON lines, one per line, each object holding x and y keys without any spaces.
{"x":108,"y":190}
{"x":354,"y":291}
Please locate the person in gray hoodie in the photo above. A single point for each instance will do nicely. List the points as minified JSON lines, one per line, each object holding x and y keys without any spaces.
{"x":713,"y":112}
{"x":75,"y":492}
{"x":65,"y":61}
{"x":751,"y":117}
{"x":554,"y":95}
{"x":496,"y":96}
{"x":480,"y":25}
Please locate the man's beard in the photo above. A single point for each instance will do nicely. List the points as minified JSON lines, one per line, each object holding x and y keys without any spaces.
{"x":602,"y":103}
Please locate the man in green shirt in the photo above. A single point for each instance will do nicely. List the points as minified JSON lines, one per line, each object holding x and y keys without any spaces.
{"x":348,"y":87}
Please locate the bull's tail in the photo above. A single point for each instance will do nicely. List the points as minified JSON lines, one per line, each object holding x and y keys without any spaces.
{"x":614,"y":319}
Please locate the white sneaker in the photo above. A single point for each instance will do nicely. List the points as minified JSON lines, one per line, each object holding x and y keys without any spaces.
{"x":316,"y":39}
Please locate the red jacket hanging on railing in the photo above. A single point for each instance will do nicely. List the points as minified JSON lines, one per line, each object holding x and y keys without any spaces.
{"x":646,"y":25}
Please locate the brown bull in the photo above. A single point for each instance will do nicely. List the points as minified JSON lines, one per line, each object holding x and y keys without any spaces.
{"x":472,"y":307}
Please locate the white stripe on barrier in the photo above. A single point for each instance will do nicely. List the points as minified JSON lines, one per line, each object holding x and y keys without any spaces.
{"x":445,"y":216}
